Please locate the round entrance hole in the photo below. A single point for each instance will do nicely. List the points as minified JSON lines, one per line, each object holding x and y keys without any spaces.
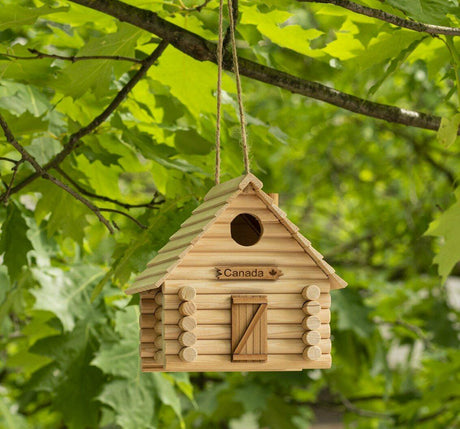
{"x":246,"y":229}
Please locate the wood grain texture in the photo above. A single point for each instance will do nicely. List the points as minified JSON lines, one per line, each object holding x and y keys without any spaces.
{"x":147,"y":321}
{"x":187,"y":308}
{"x":158,"y":313}
{"x":311,"y":338}
{"x":147,"y":350}
{"x":147,"y":305}
{"x":223,"y":301}
{"x":159,"y":298}
{"x":251,"y":326}
{"x":247,"y":272}
{"x":159,"y":357}
{"x":312,"y":323}
{"x":187,"y":293}
{"x":249,"y":299}
{"x":188,"y":354}
{"x":159,"y":342}
{"x":311,"y":292}
{"x":147,"y":335}
{"x":312,"y":353}
{"x":223,"y":347}
{"x":209,"y":286}
{"x":222,"y":363}
{"x":270,"y":257}
{"x":186,"y":339}
{"x":187,"y":323}
{"x":223,"y":332}
{"x":311,"y":307}
{"x":218,"y":317}
{"x":187,"y":273}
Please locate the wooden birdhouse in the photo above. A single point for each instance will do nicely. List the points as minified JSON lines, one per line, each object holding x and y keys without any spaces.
{"x":237,"y":288}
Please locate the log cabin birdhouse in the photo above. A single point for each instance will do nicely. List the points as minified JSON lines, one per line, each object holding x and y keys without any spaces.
{"x":237,"y":288}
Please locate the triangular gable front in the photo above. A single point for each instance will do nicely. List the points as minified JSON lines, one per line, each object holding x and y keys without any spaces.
{"x":215,"y":206}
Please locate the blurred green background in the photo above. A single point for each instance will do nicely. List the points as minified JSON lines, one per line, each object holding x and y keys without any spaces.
{"x":364,"y":191}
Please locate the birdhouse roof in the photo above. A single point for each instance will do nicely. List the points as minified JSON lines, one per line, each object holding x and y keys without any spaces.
{"x":215,"y":203}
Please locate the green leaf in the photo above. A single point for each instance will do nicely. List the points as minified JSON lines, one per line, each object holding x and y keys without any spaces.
{"x":192,"y":83}
{"x":275,"y":26}
{"x":14,"y":243}
{"x":9,"y":418}
{"x":395,"y":63}
{"x":96,"y":75}
{"x":13,"y":16}
{"x":191,"y":143}
{"x":428,"y":11}
{"x":25,"y":124}
{"x":70,"y":378}
{"x":19,"y":98}
{"x":66,"y":293}
{"x":448,"y":130}
{"x":133,"y":401}
{"x":67,"y":214}
{"x":352,"y":314}
{"x":447,"y":228}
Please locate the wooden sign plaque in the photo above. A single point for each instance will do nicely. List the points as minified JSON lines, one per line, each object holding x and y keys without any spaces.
{"x":248,"y":272}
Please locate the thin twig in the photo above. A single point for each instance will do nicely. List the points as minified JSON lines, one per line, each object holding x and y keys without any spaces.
{"x":195,"y":8}
{"x":151,"y":204}
{"x":140,"y":225}
{"x":228,"y":35}
{"x":43,"y":173}
{"x":390,"y":18}
{"x":15,"y":169}
{"x":14,"y":161}
{"x":75,"y":137}
{"x":39,"y":55}
{"x":410,"y":327}
{"x":349,"y":406}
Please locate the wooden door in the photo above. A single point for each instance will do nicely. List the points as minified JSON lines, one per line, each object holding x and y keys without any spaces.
{"x":249,"y":328}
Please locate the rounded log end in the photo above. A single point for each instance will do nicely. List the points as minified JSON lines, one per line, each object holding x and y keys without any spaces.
{"x":187,"y":308}
{"x":187,"y":323}
{"x":312,"y":353}
{"x":159,"y":341}
{"x":187,"y":339}
{"x":159,"y":313}
{"x":311,"y":307}
{"x":311,"y":323}
{"x":311,"y":292}
{"x":188,"y":354}
{"x":311,"y":338}
{"x":159,"y":298}
{"x":187,"y":293}
{"x":159,"y":356}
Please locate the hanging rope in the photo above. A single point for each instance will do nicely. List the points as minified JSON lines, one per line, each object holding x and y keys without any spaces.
{"x":220,"y":49}
{"x":239,"y":92}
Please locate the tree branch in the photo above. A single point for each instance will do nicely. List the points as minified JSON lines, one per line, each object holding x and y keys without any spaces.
{"x":204,"y":50}
{"x":390,"y":18}
{"x":410,"y":327}
{"x":150,"y":205}
{"x":26,"y":156}
{"x":140,"y":225}
{"x":3,"y":158}
{"x":15,"y":169}
{"x":39,"y":55}
{"x":75,"y":137}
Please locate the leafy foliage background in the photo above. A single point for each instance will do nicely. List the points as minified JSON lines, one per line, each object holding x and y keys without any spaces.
{"x":365,"y":192}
